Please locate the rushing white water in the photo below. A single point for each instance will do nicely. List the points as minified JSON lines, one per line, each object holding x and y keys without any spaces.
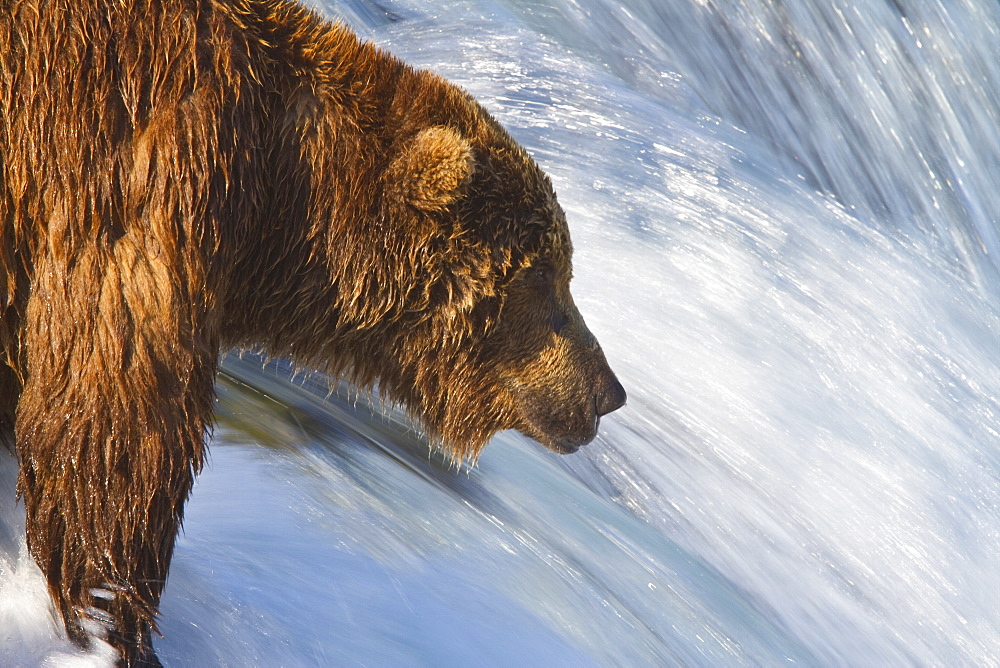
{"x":786,"y":226}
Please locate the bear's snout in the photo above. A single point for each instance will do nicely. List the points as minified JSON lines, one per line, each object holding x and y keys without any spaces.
{"x":564,"y":415}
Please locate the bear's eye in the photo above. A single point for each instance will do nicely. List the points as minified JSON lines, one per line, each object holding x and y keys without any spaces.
{"x":540,"y":280}
{"x":559,"y":320}
{"x":542,"y":273}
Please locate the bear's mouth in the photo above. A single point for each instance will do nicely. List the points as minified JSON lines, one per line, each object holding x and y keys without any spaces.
{"x":567,"y":445}
{"x":564,"y":441}
{"x":561,"y":426}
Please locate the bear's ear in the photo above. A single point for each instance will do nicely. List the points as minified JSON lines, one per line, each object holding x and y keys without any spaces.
{"x":432,"y":168}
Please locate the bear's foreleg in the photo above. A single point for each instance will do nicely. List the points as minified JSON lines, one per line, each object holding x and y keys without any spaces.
{"x":110,"y":429}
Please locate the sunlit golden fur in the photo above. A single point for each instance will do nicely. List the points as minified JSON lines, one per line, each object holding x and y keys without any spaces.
{"x":178,"y":177}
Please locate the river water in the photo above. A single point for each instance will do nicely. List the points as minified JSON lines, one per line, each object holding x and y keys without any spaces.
{"x":787,"y":222}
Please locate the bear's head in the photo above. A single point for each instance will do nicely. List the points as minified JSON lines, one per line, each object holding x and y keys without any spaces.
{"x":491,"y":339}
{"x":449,"y":264}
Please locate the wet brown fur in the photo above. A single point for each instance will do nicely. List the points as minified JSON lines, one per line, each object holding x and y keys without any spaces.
{"x":184,"y":176}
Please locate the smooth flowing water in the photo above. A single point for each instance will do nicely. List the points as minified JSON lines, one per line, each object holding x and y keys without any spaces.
{"x":787,"y":222}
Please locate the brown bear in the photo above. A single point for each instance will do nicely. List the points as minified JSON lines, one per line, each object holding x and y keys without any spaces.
{"x":178,"y":177}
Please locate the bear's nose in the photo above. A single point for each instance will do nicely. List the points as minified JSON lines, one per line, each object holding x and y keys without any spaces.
{"x":611,"y":397}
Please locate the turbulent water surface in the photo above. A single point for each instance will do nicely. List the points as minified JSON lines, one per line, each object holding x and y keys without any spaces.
{"x":786,"y":226}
